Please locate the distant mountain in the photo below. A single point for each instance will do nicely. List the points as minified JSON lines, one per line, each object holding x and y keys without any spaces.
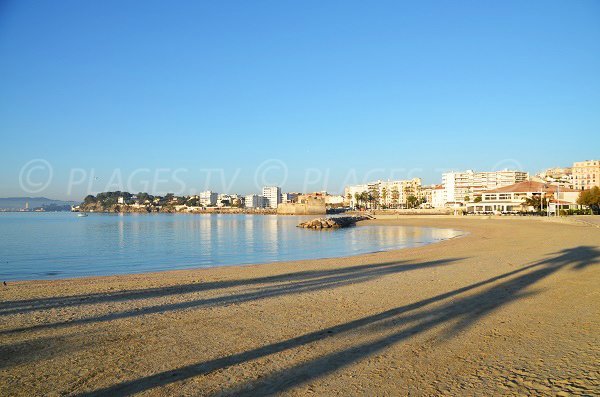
{"x":34,"y":202}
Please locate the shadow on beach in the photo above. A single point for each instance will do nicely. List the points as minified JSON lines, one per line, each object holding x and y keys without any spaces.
{"x":451,"y":311}
{"x":286,"y":284}
{"x":403,"y":322}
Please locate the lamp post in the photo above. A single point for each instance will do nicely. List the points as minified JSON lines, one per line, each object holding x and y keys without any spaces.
{"x":557,"y":198}
{"x":544,"y":186}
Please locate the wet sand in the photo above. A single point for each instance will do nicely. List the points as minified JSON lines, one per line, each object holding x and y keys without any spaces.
{"x":512,"y":308}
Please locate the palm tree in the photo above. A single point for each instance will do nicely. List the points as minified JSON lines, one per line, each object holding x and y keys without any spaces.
{"x":384,"y":194}
{"x":411,"y":201}
{"x":535,"y":201}
{"x":358,"y":198}
{"x":395,"y":196}
{"x":365,"y":198}
{"x":407,"y":194}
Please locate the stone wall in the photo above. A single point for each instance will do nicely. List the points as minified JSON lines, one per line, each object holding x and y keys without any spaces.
{"x":309,"y":207}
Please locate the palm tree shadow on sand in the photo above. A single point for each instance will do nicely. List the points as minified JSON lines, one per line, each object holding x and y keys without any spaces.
{"x":453,"y":311}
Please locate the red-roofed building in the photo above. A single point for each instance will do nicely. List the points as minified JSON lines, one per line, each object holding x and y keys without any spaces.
{"x":512,"y":198}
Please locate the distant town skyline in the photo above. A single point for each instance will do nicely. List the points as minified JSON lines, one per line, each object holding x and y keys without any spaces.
{"x":308,"y":96}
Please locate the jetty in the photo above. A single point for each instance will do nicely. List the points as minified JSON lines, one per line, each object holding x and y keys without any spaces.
{"x":333,"y":223}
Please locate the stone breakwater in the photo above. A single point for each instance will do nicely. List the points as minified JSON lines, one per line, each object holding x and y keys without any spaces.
{"x":332,"y":223}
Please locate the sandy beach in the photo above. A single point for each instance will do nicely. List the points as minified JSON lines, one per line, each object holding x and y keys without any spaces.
{"x":511,"y":308}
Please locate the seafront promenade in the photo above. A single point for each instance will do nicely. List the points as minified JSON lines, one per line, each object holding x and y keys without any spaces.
{"x":511,"y":308}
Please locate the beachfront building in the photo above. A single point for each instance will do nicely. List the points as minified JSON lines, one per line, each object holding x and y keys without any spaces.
{"x":461,"y":187}
{"x":425,"y":194}
{"x":226,"y":200}
{"x":512,"y":199}
{"x":237,"y":200}
{"x":208,"y":198}
{"x":384,"y":194}
{"x":351,"y":192}
{"x":586,"y":174}
{"x":395,"y":194}
{"x":273,"y":196}
{"x":334,"y":200}
{"x":255,"y":201}
{"x":438,"y":197}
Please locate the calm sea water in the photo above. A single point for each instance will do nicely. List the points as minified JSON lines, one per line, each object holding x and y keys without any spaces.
{"x":61,"y":245}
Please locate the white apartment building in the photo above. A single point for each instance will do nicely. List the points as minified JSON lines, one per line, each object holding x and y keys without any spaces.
{"x":334,"y":200}
{"x":350,"y":193}
{"x":255,"y":201}
{"x":586,"y":174}
{"x":458,"y":185}
{"x":438,"y":196}
{"x":388,"y":194}
{"x":394,"y":194}
{"x":208,"y":198}
{"x":273,"y":196}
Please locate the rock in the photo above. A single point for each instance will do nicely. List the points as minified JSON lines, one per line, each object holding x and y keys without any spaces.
{"x":331,"y":223}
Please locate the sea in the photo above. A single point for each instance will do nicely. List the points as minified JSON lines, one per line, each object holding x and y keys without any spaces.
{"x":62,"y":245}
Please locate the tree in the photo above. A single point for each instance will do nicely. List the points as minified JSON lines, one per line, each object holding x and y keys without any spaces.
{"x":395,"y":196}
{"x":536,"y":202}
{"x":364,"y":198}
{"x":590,"y":198}
{"x":357,"y":198}
{"x":407,"y":194}
{"x":384,"y":195}
{"x":477,"y":199}
{"x":142,"y":197}
{"x":89,"y":199}
{"x":411,"y":201}
{"x":467,"y":198}
{"x":374,"y":196}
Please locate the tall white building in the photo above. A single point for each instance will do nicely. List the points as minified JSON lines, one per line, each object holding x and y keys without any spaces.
{"x":395,"y":194}
{"x":460,"y":185}
{"x":273,"y":196}
{"x":207,"y":198}
{"x":438,"y":197}
{"x":387,"y":194}
{"x":334,"y":199}
{"x":350,"y":193}
{"x":255,"y":201}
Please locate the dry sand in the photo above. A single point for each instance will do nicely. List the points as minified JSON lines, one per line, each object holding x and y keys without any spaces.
{"x":512,"y":308}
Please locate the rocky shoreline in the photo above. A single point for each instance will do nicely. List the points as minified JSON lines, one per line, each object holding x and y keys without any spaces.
{"x":172,"y":210}
{"x":333,"y":223}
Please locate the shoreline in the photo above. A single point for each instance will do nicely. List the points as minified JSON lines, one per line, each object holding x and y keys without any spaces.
{"x":510,"y":308}
{"x":241,"y":265}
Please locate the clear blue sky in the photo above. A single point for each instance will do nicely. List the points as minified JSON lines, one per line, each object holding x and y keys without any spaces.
{"x":410,"y":88}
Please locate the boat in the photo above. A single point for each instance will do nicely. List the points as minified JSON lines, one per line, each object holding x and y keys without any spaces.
{"x":82,"y":214}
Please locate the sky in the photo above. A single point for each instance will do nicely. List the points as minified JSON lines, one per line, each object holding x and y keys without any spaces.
{"x":185,"y":96}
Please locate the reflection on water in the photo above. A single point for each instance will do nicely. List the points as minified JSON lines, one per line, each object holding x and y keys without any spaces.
{"x":58,"y":245}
